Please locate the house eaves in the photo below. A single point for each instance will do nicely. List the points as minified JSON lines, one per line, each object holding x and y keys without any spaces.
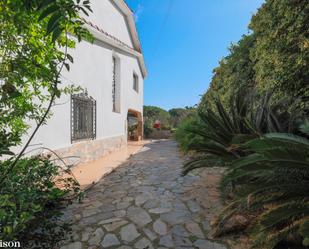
{"x":102,"y":36}
{"x":127,"y":12}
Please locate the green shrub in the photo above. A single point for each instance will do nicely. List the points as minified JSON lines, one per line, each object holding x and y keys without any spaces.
{"x":222,"y":131}
{"x":35,"y":37}
{"x":268,"y":171}
{"x":147,"y":129}
{"x":281,"y":51}
{"x":268,"y":175}
{"x":235,"y":71}
{"x":184,"y":138}
{"x":153,"y":113}
{"x":273,"y":179}
{"x":30,"y":198}
{"x":178,"y":115}
{"x":173,"y":130}
{"x":274,"y":55}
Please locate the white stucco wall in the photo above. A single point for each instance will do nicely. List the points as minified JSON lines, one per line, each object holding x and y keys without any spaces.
{"x":108,"y":17}
{"x":92,"y":69}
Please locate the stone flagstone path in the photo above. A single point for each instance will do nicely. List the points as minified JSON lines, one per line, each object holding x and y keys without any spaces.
{"x":143,"y":204}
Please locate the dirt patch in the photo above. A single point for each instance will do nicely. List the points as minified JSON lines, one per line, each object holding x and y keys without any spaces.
{"x":207,"y":194}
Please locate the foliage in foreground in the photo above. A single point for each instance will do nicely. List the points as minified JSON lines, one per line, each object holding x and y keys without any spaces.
{"x":267,"y":174}
{"x":267,"y":170}
{"x":216,"y":134}
{"x":34,"y":40}
{"x":30,"y":199}
{"x":272,"y":181}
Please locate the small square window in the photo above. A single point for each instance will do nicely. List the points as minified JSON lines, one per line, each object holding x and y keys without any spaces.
{"x":135,"y":82}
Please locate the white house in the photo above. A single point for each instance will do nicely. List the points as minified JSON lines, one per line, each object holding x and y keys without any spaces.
{"x":112,"y":70}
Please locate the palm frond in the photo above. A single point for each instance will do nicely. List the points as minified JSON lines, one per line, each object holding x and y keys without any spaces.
{"x":276,"y":178}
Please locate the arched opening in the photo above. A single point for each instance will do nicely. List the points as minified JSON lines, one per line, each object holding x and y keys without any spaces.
{"x":135,"y":125}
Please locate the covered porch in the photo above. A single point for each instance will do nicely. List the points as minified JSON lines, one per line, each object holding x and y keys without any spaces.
{"x":134,"y":125}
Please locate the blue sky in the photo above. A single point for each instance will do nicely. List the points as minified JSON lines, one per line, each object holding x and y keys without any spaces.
{"x":182,"y":42}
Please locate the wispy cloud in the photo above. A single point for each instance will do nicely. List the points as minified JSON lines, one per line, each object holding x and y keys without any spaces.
{"x":137,"y":13}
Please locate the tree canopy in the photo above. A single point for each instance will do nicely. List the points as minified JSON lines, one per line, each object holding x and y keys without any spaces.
{"x":274,"y":56}
{"x":235,"y":71}
{"x":178,"y":115}
{"x":168,"y":119}
{"x":281,"y":50}
{"x":153,"y":113}
{"x":34,"y":39}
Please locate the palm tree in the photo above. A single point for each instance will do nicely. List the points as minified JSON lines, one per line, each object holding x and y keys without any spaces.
{"x":273,"y":181}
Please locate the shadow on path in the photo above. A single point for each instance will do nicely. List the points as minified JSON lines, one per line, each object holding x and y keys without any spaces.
{"x":144,"y":203}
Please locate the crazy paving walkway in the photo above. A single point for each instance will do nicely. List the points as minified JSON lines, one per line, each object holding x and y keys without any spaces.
{"x":145,"y":203}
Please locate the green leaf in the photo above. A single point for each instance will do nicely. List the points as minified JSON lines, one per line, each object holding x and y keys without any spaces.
{"x":45,"y":3}
{"x":7,"y":152}
{"x":67,"y":66}
{"x":304,"y":231}
{"x":289,"y":137}
{"x":88,"y":7}
{"x":306,"y":242}
{"x":48,"y":11}
{"x":84,"y":11}
{"x":53,"y":22}
{"x":56,"y":33}
{"x":70,"y":58}
{"x":57,"y":93}
{"x":8,"y":229}
{"x":305,"y":127}
{"x":15,"y":94}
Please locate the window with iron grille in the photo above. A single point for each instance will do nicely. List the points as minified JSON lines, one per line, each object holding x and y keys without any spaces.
{"x":83,"y":117}
{"x":114,"y":84}
{"x":135,"y":82}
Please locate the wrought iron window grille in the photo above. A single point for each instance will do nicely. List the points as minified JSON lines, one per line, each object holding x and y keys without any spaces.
{"x":83,"y":117}
{"x":114,"y":84}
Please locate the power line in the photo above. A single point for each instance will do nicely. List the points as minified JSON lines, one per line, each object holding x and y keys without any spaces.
{"x":162,"y":27}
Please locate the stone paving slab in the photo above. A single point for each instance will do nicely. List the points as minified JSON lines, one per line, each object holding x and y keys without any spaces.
{"x":145,"y":203}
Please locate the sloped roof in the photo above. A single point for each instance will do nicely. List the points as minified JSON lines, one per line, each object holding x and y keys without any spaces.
{"x":103,"y":36}
{"x":121,"y":4}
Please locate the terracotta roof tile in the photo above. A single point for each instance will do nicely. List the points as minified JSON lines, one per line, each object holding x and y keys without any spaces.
{"x":107,"y":34}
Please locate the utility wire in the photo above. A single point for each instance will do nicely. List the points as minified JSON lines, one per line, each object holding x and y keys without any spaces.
{"x":162,"y":27}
